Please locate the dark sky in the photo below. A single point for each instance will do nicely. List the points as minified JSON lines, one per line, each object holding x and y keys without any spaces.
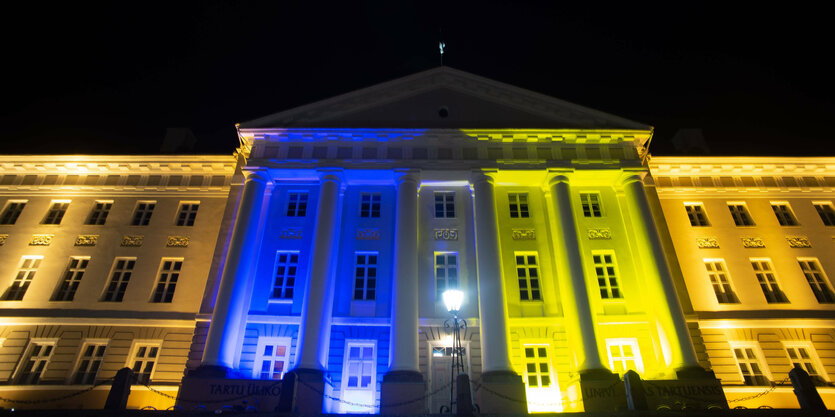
{"x":110,"y":78}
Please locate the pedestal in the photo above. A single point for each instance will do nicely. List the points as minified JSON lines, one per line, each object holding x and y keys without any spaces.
{"x":501,"y":392}
{"x":402,"y":392}
{"x":308,"y":394}
{"x":694,"y":388}
{"x":596,"y":390}
{"x":213,"y":390}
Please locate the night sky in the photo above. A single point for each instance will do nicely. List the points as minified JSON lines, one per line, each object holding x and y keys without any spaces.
{"x":111,"y":78}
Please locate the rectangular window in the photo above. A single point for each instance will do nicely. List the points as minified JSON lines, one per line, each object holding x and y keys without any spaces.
{"x":696,"y":213}
{"x":804,"y":357}
{"x":98,"y":215}
{"x":518,"y":205}
{"x":119,"y":278}
{"x":446,"y":273}
{"x":12,"y":211}
{"x":739,"y":212}
{"x":624,"y":355}
{"x":768,"y":281}
{"x":591,"y":204}
{"x":56,"y":212}
{"x":784,"y":214}
{"x":365,"y":276}
{"x":33,"y":367}
{"x":286,"y":270}
{"x":370,"y":205}
{"x":444,"y":204}
{"x":749,"y":366}
{"x":142,"y":213}
{"x":25,"y":274}
{"x":537,"y":366}
{"x":297,"y":204}
{"x":717,"y":272}
{"x":272,"y":358}
{"x":320,"y":152}
{"x":607,"y":278}
{"x":359,"y":366}
{"x":143,"y":361}
{"x":169,"y":274}
{"x":72,"y":278}
{"x":817,"y":280}
{"x":825,"y":210}
{"x":528,"y":274}
{"x":92,"y":355}
{"x":187,"y":214}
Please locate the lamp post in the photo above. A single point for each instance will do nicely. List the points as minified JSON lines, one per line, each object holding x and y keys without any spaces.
{"x":453,"y":300}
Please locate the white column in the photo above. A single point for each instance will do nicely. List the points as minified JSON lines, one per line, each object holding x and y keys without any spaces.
{"x":317,"y":308}
{"x":404,"y":314}
{"x":231,"y":304}
{"x":575,"y":298}
{"x":674,"y":324}
{"x":491,"y":300}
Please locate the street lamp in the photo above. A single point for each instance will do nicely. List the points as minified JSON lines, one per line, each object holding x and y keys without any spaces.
{"x":453,"y":300}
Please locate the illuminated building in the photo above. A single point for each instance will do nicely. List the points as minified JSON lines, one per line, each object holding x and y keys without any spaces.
{"x":104,"y":264}
{"x":358,"y":211}
{"x":754,"y":238}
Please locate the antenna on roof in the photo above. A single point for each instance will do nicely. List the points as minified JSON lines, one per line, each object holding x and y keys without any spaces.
{"x":441,"y":46}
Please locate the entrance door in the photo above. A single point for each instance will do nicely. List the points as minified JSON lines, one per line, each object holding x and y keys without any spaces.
{"x":441,"y":375}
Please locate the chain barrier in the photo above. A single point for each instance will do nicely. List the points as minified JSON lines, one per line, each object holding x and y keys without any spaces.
{"x":158,"y":392}
{"x":563,"y":402}
{"x":766,"y":392}
{"x":376,"y":404}
{"x":63,"y":397}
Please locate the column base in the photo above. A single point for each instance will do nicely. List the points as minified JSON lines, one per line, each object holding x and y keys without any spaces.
{"x":596,"y":390}
{"x":402,"y":392}
{"x":501,"y":392}
{"x":304,"y":391}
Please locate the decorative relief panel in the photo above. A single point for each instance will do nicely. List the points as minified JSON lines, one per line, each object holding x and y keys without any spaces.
{"x":132,"y":240}
{"x":707,"y":242}
{"x":523,"y":234}
{"x":41,"y":240}
{"x":3,"y":238}
{"x":602,"y":233}
{"x":798,"y":241}
{"x":86,"y":240}
{"x":753,"y":242}
{"x":177,"y":241}
{"x":368,"y":234}
{"x":290,"y":233}
{"x":446,"y":234}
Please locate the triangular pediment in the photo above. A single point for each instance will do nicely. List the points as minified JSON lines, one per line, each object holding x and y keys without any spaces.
{"x":444,"y":98}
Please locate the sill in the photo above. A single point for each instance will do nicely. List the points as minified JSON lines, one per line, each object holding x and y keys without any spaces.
{"x":280,"y":301}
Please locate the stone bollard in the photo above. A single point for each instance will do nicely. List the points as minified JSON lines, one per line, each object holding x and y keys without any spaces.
{"x":804,"y":389}
{"x":636,"y":397}
{"x":117,"y":399}
{"x":463,"y":398}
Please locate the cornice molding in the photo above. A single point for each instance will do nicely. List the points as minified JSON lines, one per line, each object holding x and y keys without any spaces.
{"x":117,"y":164}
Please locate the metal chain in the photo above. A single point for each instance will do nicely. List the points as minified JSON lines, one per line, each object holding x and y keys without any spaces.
{"x":414,"y":400}
{"x":63,"y":397}
{"x":766,"y":392}
{"x":240,"y":397}
{"x":479,"y":386}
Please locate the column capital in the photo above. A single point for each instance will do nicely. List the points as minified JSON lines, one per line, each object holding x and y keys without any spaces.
{"x":259,"y":175}
{"x":631,"y":177}
{"x":480,"y":176}
{"x":331,"y":174}
{"x":557,"y":178}
{"x":406,"y":175}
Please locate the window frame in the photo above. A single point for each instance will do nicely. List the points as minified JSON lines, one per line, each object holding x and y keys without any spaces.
{"x":142,"y":216}
{"x":608,"y":288}
{"x":773,"y":289}
{"x":587,"y":206}
{"x":826,"y":212}
{"x":284,"y":277}
{"x":375,"y":205}
{"x":260,"y":356}
{"x":27,"y":356}
{"x":693,"y":211}
{"x":72,"y":275}
{"x":519,"y":205}
{"x":166,"y":289}
{"x":186,"y":213}
{"x":294,"y":206}
{"x":79,"y":358}
{"x":784,"y":213}
{"x":24,"y":281}
{"x":55,"y":215}
{"x":730,"y":297}
{"x":14,"y":215}
{"x":110,"y":275}
{"x":98,"y":215}
{"x":538,"y":369}
{"x":758,"y":356}
{"x":826,"y":291}
{"x":743,"y":216}
{"x":131,"y":362}
{"x":529,"y":290}
{"x":447,"y":204}
{"x":369,"y":283}
{"x":446,"y":268}
{"x":813,"y":357}
{"x":346,"y":371}
{"x":636,"y":353}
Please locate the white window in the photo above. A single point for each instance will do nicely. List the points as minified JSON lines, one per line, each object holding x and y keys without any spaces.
{"x":56,"y":212}
{"x":607,"y":277}
{"x":817,"y":280}
{"x":537,"y":366}
{"x":591,"y":205}
{"x":446,"y":272}
{"x":518,"y":205}
{"x":717,"y":272}
{"x":768,"y":281}
{"x":169,"y":274}
{"x":444,"y":204}
{"x":37,"y":355}
{"x":25,"y":274}
{"x":72,"y":278}
{"x":739,"y":212}
{"x":120,"y":275}
{"x":802,"y":355}
{"x":825,"y":210}
{"x":697,"y":214}
{"x":143,"y":360}
{"x":748,"y":360}
{"x":365,"y":276}
{"x":187,"y":213}
{"x":12,"y":211}
{"x":624,"y":355}
{"x":784,"y":214}
{"x":297,"y":204}
{"x":89,"y":362}
{"x":286,"y":270}
{"x":359,"y":376}
{"x":370,"y":205}
{"x":143,"y":212}
{"x":272,"y":359}
{"x":527,"y":273}
{"x":98,"y":215}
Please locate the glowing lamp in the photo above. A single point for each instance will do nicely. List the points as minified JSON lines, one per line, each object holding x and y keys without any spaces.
{"x":453,"y":300}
